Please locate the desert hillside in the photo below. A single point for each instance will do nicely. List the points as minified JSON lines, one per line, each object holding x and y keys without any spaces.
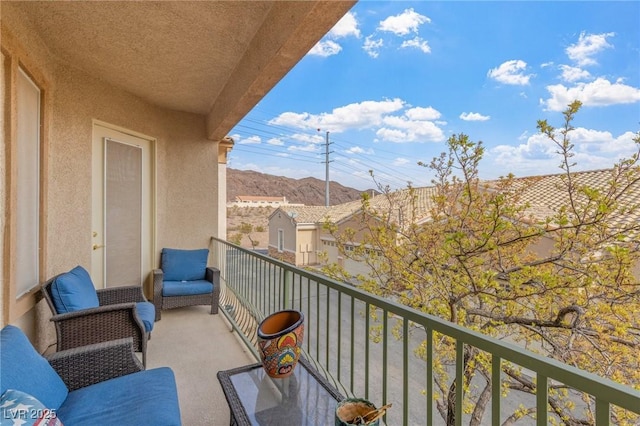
{"x":308,"y":191}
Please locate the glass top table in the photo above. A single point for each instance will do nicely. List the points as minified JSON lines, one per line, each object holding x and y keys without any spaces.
{"x":304,"y":398}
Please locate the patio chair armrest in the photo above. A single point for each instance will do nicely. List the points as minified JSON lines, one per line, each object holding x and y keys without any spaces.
{"x":212,"y":275}
{"x":110,"y":296}
{"x":93,"y":311}
{"x":87,"y":365}
{"x":158,"y":276}
{"x":88,"y":326}
{"x":157,"y":291}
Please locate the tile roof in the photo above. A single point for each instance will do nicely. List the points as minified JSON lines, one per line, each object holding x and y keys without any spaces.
{"x":259,"y":198}
{"x":316,"y":214}
{"x":544,"y":194}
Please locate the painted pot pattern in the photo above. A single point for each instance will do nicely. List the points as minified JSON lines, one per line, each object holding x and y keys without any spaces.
{"x":280,"y":337}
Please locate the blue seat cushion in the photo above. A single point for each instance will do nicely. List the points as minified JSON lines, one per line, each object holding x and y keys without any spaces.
{"x":184,"y":265}
{"x":144,"y":398}
{"x":186,"y":288}
{"x":24,"y":369}
{"x":73,"y":291}
{"x":147,"y":313}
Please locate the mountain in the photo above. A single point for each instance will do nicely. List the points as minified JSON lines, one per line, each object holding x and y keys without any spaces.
{"x":308,"y":191}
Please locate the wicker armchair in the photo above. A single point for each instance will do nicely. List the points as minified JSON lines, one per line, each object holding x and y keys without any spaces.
{"x":116,"y":317}
{"x":180,"y":269}
{"x":103,"y":384}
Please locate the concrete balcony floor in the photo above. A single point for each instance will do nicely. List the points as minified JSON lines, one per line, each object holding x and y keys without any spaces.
{"x":196,"y":345}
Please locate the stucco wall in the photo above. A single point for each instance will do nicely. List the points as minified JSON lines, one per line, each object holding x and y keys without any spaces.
{"x":280,"y":220}
{"x":186,"y":162}
{"x":306,"y":247}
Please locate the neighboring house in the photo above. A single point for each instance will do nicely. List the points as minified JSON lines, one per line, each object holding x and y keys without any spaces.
{"x":294,"y":232}
{"x":298,"y":235}
{"x":260,"y":201}
{"x":115,"y":118}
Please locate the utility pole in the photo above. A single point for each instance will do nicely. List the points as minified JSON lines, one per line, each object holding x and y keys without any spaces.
{"x":326,"y":162}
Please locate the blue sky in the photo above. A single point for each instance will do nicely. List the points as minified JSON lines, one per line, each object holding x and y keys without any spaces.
{"x":392,"y":81}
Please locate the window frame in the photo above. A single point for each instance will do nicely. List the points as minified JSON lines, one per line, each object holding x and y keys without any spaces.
{"x":15,"y":61}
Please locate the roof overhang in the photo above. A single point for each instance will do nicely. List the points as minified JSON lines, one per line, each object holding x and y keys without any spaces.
{"x":215,"y":58}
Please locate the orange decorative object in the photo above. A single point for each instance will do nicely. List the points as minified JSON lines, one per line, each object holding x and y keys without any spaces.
{"x":279,"y":340}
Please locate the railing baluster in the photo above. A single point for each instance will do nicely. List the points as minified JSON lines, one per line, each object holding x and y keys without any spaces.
{"x":429,"y":332}
{"x":308,"y":313}
{"x":366,"y":350}
{"x":542,"y":394}
{"x":339,"y":332}
{"x":496,"y":389}
{"x":317,"y":320}
{"x":405,"y":370}
{"x":353,"y":309}
{"x":602,"y":412}
{"x":288,"y":284}
{"x":385,"y":355}
{"x":459,"y":380}
{"x":327,"y":339}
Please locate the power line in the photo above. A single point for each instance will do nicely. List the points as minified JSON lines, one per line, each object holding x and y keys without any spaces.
{"x":365,"y":166}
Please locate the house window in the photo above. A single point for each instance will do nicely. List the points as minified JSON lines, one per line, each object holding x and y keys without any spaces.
{"x":27,"y":183}
{"x":280,"y":240}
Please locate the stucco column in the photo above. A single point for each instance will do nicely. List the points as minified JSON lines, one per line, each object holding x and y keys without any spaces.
{"x":224,"y":147}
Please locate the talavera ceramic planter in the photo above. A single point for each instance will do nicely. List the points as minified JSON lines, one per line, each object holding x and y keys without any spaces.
{"x":279,"y":341}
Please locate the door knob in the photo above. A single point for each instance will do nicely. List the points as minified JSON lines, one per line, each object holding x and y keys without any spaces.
{"x":97,"y":246}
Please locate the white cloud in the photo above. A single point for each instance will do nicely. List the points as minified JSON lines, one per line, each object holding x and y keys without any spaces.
{"x":403,"y":129}
{"x":361,"y":115}
{"x":474,"y":116}
{"x":325,"y":48}
{"x":293,"y":119}
{"x":511,"y":72}
{"x":573,"y":74}
{"x":275,"y":142}
{"x":600,"y":92}
{"x":392,"y":135}
{"x":308,"y":138}
{"x":538,"y":155}
{"x":420,"y":113}
{"x":359,"y":150}
{"x":587,"y":46}
{"x":604,"y":143}
{"x":372,"y":47}
{"x":304,"y":148}
{"x":418,"y":43}
{"x":400,"y":162}
{"x":347,"y":26}
{"x":252,"y":140}
{"x":416,"y":124}
{"x":404,"y":23}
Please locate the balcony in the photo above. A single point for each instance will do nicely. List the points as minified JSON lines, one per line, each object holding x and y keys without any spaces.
{"x":366,"y":346}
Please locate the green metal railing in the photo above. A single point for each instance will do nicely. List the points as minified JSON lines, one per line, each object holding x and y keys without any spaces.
{"x":367,"y":345}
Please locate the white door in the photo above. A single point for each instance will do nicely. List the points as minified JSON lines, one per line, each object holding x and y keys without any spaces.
{"x":122,"y":212}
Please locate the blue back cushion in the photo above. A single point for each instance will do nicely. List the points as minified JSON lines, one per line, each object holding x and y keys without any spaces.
{"x":73,"y":291}
{"x":184,"y":265}
{"x":24,"y":369}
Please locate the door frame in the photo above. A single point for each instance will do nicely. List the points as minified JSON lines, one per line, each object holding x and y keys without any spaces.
{"x":148,"y":279}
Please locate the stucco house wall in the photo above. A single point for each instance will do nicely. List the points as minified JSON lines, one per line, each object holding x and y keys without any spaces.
{"x":279,"y":220}
{"x":307,"y":246}
{"x":186,"y":163}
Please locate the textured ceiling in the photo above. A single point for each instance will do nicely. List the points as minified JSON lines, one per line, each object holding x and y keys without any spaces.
{"x":217,"y":58}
